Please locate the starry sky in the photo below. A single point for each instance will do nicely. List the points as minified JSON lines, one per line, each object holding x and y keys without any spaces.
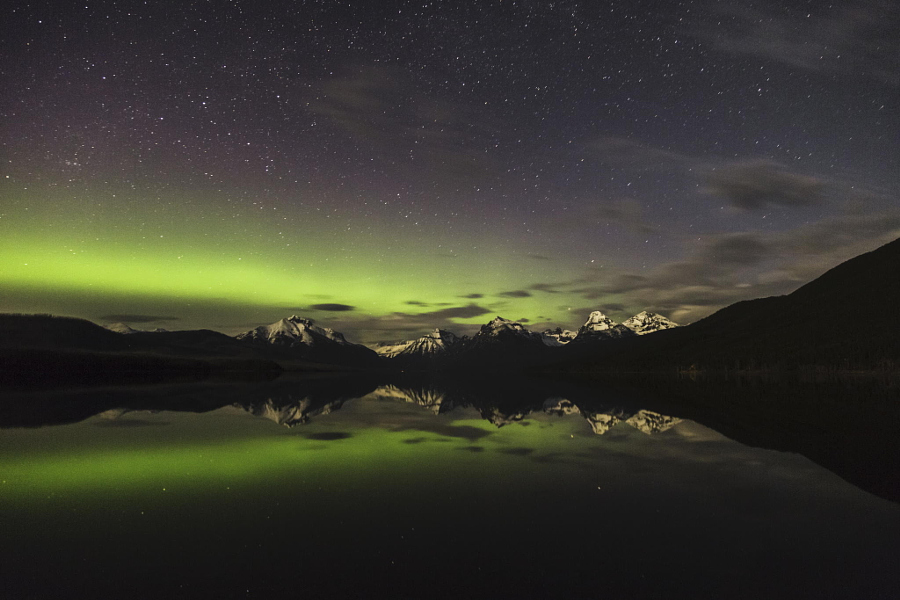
{"x":386,"y":168}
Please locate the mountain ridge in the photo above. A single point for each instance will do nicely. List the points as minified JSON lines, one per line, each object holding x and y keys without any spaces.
{"x":782,"y":332}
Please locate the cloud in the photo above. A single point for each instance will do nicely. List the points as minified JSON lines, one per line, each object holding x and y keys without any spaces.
{"x":333,"y":307}
{"x":538,"y":257}
{"x":724,"y":269}
{"x":128,"y":318}
{"x":625,"y":211}
{"x":754,"y":185}
{"x":416,"y":303}
{"x":625,"y":152}
{"x":515,"y":294}
{"x":741,"y":249}
{"x":473,"y":296}
{"x":457,"y":312}
{"x":547,"y":288}
{"x":406,"y":326}
{"x":849,"y":38}
{"x":381,"y":106}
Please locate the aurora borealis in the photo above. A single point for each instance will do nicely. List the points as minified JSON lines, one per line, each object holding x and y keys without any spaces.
{"x":390,"y":167}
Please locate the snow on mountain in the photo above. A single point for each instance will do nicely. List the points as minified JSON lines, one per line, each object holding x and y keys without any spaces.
{"x":648,"y":322}
{"x":436,"y":342}
{"x":504,"y":328}
{"x":499,"y":417}
{"x":293,"y":413}
{"x":560,"y":407}
{"x":557,"y":337}
{"x":433,"y":399}
{"x":599,"y":326}
{"x":645,"y":421}
{"x":602,"y":422}
{"x":650,"y":422}
{"x":391,"y":349}
{"x":292,"y":332}
{"x":431,"y":344}
{"x":121,"y":328}
{"x":597,"y":321}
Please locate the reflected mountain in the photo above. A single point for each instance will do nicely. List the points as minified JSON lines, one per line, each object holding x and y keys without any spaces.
{"x":432,"y":398}
{"x":291,"y":411}
{"x":848,"y":427}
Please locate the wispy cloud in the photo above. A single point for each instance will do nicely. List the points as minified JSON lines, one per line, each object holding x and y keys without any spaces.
{"x":381,"y":106}
{"x":130,"y":318}
{"x":722,"y":269}
{"x":858,"y":38}
{"x":404,"y":325}
{"x":756,"y":184}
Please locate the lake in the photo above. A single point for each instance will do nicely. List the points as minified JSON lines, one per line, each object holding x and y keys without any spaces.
{"x":351,"y":488}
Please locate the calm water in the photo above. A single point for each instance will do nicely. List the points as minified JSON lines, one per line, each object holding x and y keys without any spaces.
{"x":413,"y":492}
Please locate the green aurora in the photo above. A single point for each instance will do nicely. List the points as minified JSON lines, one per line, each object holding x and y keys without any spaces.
{"x":186,"y":263}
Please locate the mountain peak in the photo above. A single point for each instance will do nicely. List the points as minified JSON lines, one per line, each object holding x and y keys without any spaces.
{"x":292,"y":331}
{"x":597,"y":321}
{"x":432,"y":343}
{"x":121,"y":328}
{"x":600,"y":327}
{"x":299,"y":320}
{"x":499,"y":324}
{"x":557,"y":337}
{"x":647,"y":322}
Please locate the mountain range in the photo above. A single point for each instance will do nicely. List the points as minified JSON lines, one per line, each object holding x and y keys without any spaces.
{"x":806,"y":328}
{"x":505,"y":342}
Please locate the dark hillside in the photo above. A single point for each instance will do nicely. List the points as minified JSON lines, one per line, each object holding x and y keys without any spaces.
{"x":846,"y":319}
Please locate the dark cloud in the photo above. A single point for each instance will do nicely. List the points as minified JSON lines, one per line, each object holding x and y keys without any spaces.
{"x":128,"y":318}
{"x":549,"y":288}
{"x":849,"y":38}
{"x":382,"y":106}
{"x":458,"y":312}
{"x":538,"y":257}
{"x":626,"y":153}
{"x":754,"y":185}
{"x":415,"y":303}
{"x":738,"y":250}
{"x":473,"y":296}
{"x":627,"y":212}
{"x":333,"y":307}
{"x":515,"y":294}
{"x":407,"y":326}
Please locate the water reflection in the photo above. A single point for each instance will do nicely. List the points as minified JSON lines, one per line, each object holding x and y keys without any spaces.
{"x":440,"y":489}
{"x":849,"y":429}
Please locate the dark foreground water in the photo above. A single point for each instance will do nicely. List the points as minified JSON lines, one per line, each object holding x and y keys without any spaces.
{"x":410,"y":492}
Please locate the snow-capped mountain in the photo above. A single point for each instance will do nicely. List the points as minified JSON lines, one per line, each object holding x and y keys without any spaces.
{"x":304,"y":339}
{"x":600,"y":327}
{"x":391,"y":349}
{"x":434,"y":343}
{"x":557,"y":337}
{"x":504,"y":329}
{"x":509,"y":334}
{"x":597,"y":321}
{"x":648,"y":322}
{"x":293,"y":331}
{"x":121,"y":328}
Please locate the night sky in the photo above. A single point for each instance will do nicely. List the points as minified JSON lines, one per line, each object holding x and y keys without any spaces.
{"x":385,"y":168}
